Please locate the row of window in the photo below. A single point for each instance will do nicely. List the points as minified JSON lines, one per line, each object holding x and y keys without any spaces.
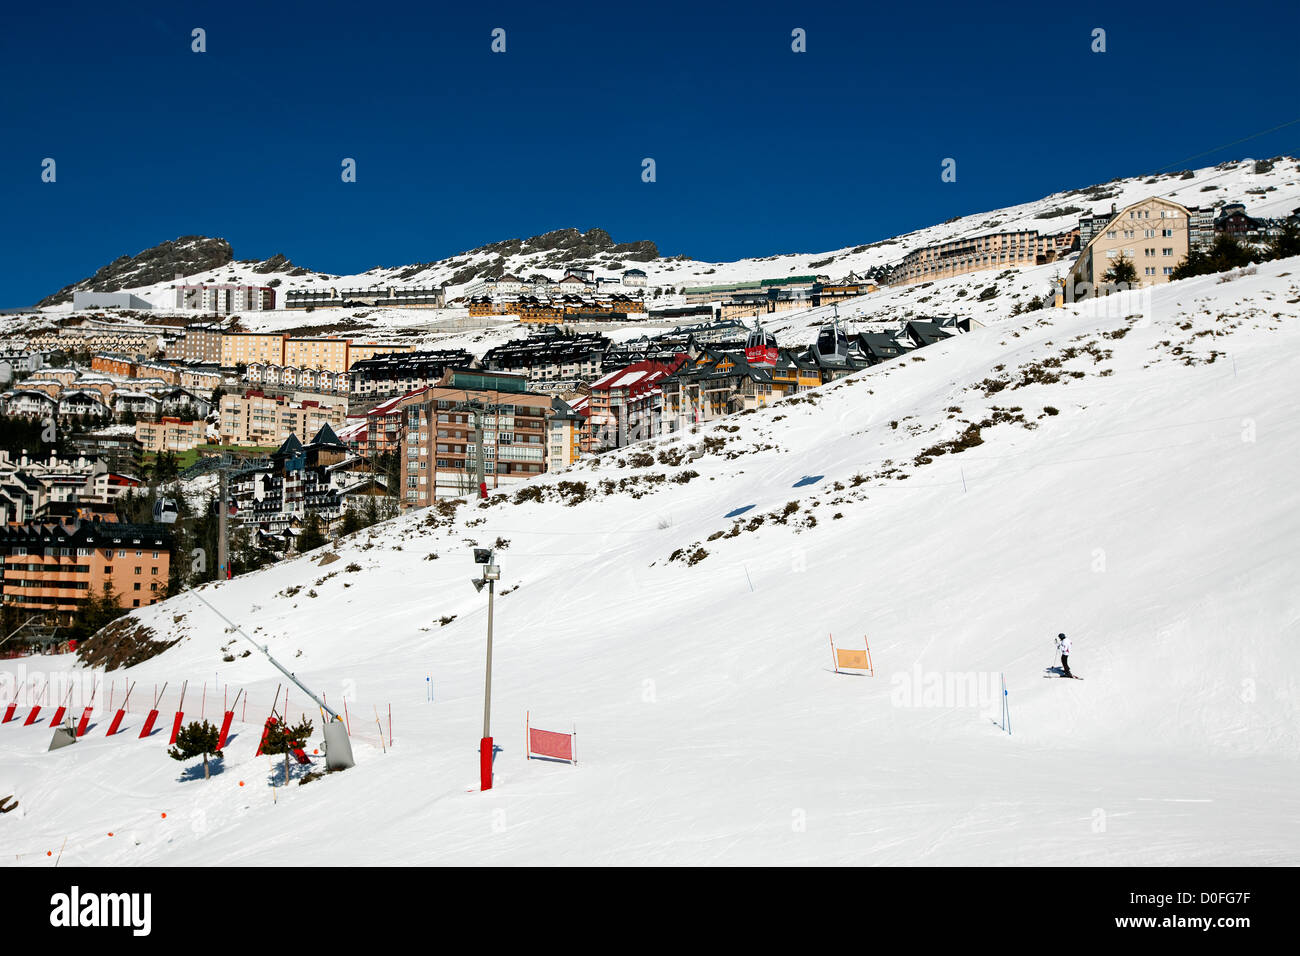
{"x":23,"y":550}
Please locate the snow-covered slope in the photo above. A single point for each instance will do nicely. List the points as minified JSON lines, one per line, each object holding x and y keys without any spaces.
{"x":1121,"y":470}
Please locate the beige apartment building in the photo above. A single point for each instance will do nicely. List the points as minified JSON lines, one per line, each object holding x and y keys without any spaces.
{"x":328,"y":354}
{"x":245,"y":348}
{"x":170,"y":434}
{"x":1024,"y":247}
{"x":1152,"y":234}
{"x":257,"y":419}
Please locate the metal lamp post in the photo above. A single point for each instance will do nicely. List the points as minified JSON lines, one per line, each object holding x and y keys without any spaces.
{"x":491,"y":574}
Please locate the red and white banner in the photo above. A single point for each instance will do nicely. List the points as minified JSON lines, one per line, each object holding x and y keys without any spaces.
{"x":549,"y":743}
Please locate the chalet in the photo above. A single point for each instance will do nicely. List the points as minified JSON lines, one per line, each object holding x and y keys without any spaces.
{"x":877,"y":347}
{"x":922,"y":333}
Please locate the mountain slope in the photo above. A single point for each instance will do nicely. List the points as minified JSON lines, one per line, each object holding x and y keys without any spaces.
{"x":1121,"y":470}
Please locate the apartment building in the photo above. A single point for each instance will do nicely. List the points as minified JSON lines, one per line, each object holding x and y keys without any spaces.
{"x":54,"y":567}
{"x":330,"y":354}
{"x":1200,"y":232}
{"x":699,"y":294}
{"x":432,"y":297}
{"x":201,"y":342}
{"x":396,"y":373}
{"x":90,"y":338}
{"x":564,"y":435}
{"x":29,"y":486}
{"x":626,"y":405}
{"x":257,"y":419}
{"x":111,"y":364}
{"x":225,"y":298}
{"x":245,"y":348}
{"x":1001,"y":250}
{"x":201,"y":379}
{"x":551,"y":357}
{"x":440,"y":455}
{"x":364,"y":351}
{"x":171,"y":435}
{"x":1153,"y":234}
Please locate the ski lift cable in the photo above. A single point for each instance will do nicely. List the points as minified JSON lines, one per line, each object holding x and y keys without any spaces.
{"x":267,"y":654}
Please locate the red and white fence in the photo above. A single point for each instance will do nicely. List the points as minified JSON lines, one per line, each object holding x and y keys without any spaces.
{"x":98,"y":697}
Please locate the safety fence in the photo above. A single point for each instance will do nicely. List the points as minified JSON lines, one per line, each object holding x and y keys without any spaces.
{"x":94,"y":698}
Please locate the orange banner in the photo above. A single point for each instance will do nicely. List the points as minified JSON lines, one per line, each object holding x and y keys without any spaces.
{"x":854,"y":659}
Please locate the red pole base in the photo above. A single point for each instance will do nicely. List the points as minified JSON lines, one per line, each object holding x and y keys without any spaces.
{"x":485,"y":763}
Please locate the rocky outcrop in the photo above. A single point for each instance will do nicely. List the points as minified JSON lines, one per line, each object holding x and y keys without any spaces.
{"x":184,"y":256}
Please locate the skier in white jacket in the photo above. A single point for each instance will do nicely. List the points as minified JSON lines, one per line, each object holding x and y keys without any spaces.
{"x":1063,"y":645}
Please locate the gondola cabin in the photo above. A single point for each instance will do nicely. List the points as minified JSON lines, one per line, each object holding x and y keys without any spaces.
{"x":760,"y":348}
{"x":832,"y":345}
{"x":165,"y":511}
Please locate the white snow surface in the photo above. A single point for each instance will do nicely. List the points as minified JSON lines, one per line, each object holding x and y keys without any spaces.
{"x":1153,"y":518}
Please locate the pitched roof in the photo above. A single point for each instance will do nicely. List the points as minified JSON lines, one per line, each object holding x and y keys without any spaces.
{"x":326,"y":436}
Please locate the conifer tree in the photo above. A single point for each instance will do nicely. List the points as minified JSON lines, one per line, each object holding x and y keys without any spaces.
{"x":312,"y":536}
{"x":1122,"y":271}
{"x":284,"y":738}
{"x":195,"y":738}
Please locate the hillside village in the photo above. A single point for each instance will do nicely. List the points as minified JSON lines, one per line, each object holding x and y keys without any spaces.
{"x":221,"y":415}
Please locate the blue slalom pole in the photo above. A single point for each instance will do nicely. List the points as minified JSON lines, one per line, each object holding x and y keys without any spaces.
{"x":1006,"y":706}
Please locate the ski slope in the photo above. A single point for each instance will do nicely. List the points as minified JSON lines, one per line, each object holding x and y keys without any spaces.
{"x":1133,"y":486}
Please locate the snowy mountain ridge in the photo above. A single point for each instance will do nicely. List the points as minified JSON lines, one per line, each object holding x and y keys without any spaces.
{"x":1271,"y":192}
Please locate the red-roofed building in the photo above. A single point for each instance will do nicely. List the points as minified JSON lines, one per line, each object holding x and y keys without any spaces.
{"x":384,"y":426}
{"x":626,"y":405}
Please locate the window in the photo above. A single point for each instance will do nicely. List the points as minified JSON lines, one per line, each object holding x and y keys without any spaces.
{"x":137,"y":586}
{"x":1166,"y":252}
{"x":139,"y":570}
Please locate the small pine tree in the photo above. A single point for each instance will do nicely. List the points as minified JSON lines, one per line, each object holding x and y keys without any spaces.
{"x":1121,"y":270}
{"x":312,"y":536}
{"x":1286,"y":243}
{"x":284,"y":738}
{"x":195,"y":738}
{"x":352,"y":522}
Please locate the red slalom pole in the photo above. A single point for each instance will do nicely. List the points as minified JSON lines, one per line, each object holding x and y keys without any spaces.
{"x":180,"y":713}
{"x":63,"y":709}
{"x":147,"y":729}
{"x":36,"y":708}
{"x":121,"y":711}
{"x":85,"y":714}
{"x":485,"y":763}
{"x":225,"y":724}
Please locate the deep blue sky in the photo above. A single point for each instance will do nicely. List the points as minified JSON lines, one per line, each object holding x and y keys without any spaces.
{"x":759,"y":150}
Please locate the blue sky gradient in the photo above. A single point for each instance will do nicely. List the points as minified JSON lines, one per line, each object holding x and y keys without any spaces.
{"x":759,"y":150}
